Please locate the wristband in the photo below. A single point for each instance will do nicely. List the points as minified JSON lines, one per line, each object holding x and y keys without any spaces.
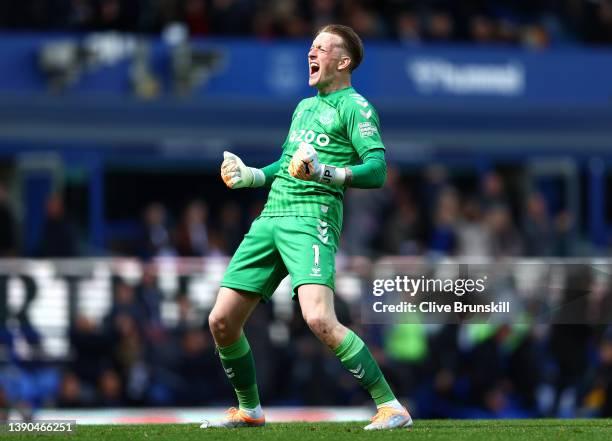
{"x":259,"y":178}
{"x":333,"y":175}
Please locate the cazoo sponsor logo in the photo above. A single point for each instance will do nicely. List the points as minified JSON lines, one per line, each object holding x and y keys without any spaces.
{"x":309,"y":136}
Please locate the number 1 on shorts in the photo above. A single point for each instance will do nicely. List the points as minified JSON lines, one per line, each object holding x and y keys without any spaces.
{"x":315,"y":247}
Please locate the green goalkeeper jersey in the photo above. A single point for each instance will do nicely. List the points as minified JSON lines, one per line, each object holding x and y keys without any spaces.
{"x":342,"y":127}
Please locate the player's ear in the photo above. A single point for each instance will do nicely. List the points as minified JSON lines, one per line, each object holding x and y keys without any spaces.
{"x":344,"y":63}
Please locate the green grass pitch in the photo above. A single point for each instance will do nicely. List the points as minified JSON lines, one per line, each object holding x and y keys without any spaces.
{"x":431,"y":430}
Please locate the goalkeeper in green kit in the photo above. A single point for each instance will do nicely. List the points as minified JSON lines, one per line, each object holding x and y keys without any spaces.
{"x":333,"y":143}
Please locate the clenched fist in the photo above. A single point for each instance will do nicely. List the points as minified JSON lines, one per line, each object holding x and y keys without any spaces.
{"x":305,"y":164}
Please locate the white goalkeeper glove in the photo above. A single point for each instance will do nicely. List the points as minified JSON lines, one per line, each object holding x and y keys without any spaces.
{"x":305,"y":165}
{"x":237,"y":175}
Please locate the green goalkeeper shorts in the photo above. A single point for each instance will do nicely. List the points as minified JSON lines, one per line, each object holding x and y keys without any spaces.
{"x":303,"y":247}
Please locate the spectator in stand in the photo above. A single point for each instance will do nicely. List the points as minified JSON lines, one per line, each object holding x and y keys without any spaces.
{"x":111,"y":15}
{"x":72,"y":393}
{"x":90,"y":346}
{"x":538,"y":228}
{"x":155,"y":239}
{"x":440,"y":27}
{"x":289,"y":20}
{"x":149,"y":298}
{"x":231,"y":17}
{"x":482,"y":30}
{"x":493,"y":191}
{"x":408,"y":28}
{"x":192,"y":234}
{"x":130,"y":358}
{"x":564,"y":240}
{"x":81,"y":14}
{"x":230,"y":226}
{"x":535,"y":36}
{"x":187,"y":316}
{"x":196,"y":14}
{"x":505,"y":238}
{"x":434,"y":181}
{"x":125,"y":302}
{"x":323,"y":12}
{"x":366,"y":21}
{"x":364,"y":216}
{"x":197,"y":356}
{"x":473,"y":239}
{"x":58,"y":237}
{"x":443,"y":239}
{"x":402,"y":233}
{"x":532,"y":24}
{"x":110,"y":390}
{"x":508,"y":32}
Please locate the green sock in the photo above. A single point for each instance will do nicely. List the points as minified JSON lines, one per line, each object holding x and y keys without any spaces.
{"x":355,"y":356}
{"x":239,"y":365}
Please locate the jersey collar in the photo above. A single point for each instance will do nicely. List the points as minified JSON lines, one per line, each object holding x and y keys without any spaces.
{"x":339,"y":92}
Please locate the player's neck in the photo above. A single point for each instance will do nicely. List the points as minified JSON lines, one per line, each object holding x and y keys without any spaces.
{"x":335,"y":86}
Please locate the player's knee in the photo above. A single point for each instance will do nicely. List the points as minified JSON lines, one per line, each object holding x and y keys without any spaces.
{"x":218,"y":324}
{"x":320,"y":324}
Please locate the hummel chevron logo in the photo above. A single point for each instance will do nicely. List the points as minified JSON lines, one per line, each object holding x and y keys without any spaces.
{"x":359,"y":99}
{"x":322,"y":223}
{"x":322,"y":231}
{"x":367,"y":114}
{"x":356,"y":372}
{"x":323,"y":239}
{"x":230,"y":372}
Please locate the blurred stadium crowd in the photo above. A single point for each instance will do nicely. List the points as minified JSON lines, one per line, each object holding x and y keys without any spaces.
{"x":535,"y":23}
{"x":132,"y":358}
{"x":412,"y":215}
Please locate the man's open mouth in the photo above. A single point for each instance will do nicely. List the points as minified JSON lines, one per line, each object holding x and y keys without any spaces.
{"x":314,"y":68}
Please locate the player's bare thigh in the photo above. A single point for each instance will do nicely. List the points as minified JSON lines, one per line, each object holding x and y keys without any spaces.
{"x":228,"y":316}
{"x":317,"y":304}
